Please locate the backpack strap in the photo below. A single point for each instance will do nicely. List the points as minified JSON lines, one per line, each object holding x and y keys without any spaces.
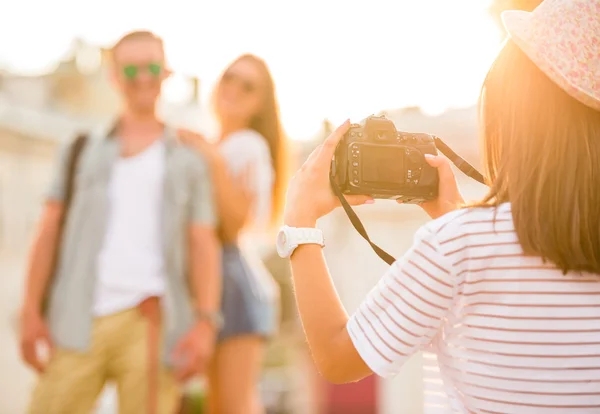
{"x":76,"y":149}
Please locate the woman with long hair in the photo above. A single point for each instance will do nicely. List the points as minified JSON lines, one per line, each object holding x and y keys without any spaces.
{"x":247,"y":163}
{"x":506,"y":292}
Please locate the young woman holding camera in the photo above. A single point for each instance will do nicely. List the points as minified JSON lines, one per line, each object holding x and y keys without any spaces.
{"x":247,"y":165}
{"x":506,"y":291}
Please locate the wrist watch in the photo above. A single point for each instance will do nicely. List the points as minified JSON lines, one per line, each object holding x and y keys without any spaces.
{"x":213,"y":318}
{"x":291,"y":237}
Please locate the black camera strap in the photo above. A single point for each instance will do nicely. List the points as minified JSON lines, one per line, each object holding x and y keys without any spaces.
{"x":385,"y":256}
{"x":466,"y":168}
{"x":456,"y":159}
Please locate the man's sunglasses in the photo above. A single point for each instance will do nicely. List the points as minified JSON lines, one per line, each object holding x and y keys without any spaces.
{"x":247,"y":85}
{"x":132,"y":71}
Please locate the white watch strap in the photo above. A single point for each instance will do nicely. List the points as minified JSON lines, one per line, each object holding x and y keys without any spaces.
{"x":307,"y":236}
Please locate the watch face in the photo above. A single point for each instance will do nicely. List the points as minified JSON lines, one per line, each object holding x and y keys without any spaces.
{"x":281,"y":238}
{"x":282,"y":244}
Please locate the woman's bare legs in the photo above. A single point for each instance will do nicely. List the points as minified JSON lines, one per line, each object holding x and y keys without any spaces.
{"x":234,"y":374}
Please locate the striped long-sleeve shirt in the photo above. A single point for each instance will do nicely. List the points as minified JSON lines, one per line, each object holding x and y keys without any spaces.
{"x":512,"y":334}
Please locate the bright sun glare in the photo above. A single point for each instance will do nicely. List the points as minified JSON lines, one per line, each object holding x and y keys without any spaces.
{"x":334,"y":59}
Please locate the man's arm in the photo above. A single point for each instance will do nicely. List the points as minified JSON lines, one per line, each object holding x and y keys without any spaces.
{"x":41,"y":257}
{"x":45,"y":243}
{"x":195,"y":348}
{"x":204,"y":274}
{"x":40,"y":266}
{"x":204,"y":246}
{"x":33,"y":330}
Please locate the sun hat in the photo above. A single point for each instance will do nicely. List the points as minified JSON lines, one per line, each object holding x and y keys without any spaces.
{"x":562,"y":38}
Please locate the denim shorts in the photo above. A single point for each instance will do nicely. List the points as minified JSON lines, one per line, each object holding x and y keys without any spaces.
{"x":246,"y":307}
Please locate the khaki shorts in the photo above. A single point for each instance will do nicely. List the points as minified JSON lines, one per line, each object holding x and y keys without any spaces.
{"x":73,"y":381}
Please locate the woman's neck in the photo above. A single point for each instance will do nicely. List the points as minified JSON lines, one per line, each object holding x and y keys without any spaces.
{"x":228,"y":128}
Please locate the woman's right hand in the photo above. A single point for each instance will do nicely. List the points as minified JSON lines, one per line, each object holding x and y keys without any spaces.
{"x":449,"y":197}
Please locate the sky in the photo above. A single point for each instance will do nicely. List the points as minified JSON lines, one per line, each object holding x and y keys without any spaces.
{"x":330,"y":59}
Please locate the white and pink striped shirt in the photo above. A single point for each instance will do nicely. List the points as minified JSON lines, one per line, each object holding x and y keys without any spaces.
{"x":512,"y":334}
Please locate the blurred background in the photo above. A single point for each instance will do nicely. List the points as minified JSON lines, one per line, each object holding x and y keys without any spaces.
{"x":420,"y":62}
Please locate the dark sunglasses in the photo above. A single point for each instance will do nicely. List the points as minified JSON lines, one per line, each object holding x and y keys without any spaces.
{"x":247,"y":85}
{"x":132,"y":71}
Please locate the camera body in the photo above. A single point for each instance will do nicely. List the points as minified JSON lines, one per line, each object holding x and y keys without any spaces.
{"x":373,"y":158}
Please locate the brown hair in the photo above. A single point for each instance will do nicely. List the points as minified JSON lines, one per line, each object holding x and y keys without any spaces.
{"x":542,"y":154}
{"x":135,"y":35}
{"x":267,"y":123}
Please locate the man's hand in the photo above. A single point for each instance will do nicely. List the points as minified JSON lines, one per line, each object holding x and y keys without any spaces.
{"x":33,"y":332}
{"x":194,"y":351}
{"x":33,"y":329}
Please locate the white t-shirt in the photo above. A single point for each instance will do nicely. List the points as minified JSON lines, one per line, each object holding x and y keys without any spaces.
{"x":130,"y":265}
{"x":512,"y":334}
{"x":247,"y":156}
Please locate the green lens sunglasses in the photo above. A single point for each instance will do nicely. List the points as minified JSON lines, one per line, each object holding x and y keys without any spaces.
{"x":132,"y":71}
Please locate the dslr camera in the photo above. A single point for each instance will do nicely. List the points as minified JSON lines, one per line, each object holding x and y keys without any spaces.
{"x":374,"y":158}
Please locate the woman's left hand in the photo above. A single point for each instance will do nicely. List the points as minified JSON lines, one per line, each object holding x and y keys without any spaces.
{"x":200,"y":144}
{"x":309,"y":195}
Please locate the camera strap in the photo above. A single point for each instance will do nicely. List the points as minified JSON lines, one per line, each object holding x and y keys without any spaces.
{"x":466,"y":168}
{"x":456,"y":159}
